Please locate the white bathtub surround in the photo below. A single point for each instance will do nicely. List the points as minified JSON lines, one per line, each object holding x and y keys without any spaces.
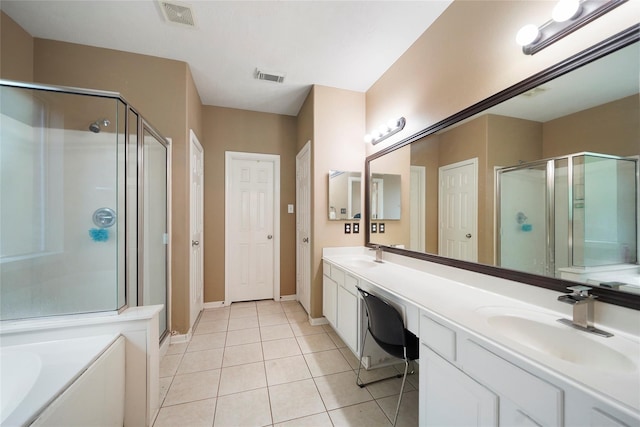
{"x":138,"y":325}
{"x":607,"y":368}
{"x":34,"y":375}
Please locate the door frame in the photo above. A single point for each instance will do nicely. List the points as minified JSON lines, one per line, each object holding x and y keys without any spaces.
{"x":305,"y":150}
{"x":421,"y":173}
{"x":275,"y":160}
{"x":194,"y":144}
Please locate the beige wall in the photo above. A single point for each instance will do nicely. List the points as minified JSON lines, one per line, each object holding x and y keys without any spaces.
{"x":16,"y":51}
{"x":227,"y":129}
{"x":338,"y":125}
{"x":468,"y":54}
{"x":425,"y":153}
{"x":611,"y":128}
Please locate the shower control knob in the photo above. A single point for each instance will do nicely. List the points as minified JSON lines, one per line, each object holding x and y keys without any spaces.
{"x":468,"y":236}
{"x":195,"y":243}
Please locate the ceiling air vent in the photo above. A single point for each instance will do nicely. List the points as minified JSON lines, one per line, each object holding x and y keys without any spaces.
{"x":272,"y":77}
{"x":177,"y":13}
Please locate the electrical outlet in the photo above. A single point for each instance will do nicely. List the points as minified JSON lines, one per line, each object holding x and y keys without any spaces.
{"x":374,"y":227}
{"x":381,"y":227}
{"x":289,"y":208}
{"x":347,"y":228}
{"x":356,"y":228}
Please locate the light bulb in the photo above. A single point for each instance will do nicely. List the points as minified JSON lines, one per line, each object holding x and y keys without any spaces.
{"x":392,"y":124}
{"x":565,"y":10}
{"x":368,"y":138}
{"x":384,"y":129}
{"x":527,"y":35}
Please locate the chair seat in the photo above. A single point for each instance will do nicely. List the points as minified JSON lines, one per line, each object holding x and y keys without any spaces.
{"x":413,"y":346}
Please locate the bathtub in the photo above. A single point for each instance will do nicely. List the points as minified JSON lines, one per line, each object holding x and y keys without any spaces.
{"x":42,"y":383}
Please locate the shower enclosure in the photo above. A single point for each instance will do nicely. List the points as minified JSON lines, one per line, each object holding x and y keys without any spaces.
{"x":83,"y":204}
{"x":574,"y":211}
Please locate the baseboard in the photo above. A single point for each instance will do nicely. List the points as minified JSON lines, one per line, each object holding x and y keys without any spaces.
{"x":316,"y":321}
{"x":214,"y":304}
{"x":288,"y":297}
{"x":182,"y":338}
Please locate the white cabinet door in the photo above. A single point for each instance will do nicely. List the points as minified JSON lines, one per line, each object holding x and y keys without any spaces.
{"x":348,"y":318}
{"x":329,"y":300}
{"x":448,"y":397}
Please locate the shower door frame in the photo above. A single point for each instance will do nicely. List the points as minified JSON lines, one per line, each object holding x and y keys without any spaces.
{"x":549,"y":210}
{"x":551,"y":205}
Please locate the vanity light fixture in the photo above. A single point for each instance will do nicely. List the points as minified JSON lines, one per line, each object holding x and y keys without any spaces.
{"x":385,"y":131}
{"x":566,"y":17}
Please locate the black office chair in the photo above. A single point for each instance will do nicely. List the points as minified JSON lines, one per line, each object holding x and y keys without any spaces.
{"x":387,"y":329}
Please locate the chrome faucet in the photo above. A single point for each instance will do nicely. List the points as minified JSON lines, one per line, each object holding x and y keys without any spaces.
{"x":378,"y":250}
{"x":582,"y":303}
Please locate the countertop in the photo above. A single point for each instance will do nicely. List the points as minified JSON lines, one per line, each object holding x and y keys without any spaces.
{"x":471,"y":307}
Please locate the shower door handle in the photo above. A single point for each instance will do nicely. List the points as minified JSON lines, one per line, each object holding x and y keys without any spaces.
{"x":468,"y":235}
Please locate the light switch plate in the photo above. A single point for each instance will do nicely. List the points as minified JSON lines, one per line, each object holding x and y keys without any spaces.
{"x":290,"y":208}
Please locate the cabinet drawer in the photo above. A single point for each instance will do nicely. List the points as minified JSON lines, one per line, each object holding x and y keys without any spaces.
{"x":350,"y":284}
{"x":337,"y":275}
{"x":535,"y":397}
{"x":439,"y":338}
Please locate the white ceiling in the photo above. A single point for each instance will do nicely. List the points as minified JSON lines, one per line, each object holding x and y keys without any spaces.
{"x":340,"y":44}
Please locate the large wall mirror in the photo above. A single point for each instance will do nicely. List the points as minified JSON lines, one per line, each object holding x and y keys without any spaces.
{"x":538,"y":183}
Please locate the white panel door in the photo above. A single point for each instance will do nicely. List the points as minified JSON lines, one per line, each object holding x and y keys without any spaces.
{"x":250,"y":194}
{"x":457,"y":211}
{"x":196,"y":275}
{"x":303,"y":228}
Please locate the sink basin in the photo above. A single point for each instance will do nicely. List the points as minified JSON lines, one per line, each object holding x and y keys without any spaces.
{"x":360,"y":263}
{"x":542,"y":333}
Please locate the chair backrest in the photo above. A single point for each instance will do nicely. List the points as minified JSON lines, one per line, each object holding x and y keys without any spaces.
{"x":385,"y":322}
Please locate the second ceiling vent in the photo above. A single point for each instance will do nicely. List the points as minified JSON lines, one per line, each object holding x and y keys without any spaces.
{"x":177,"y":13}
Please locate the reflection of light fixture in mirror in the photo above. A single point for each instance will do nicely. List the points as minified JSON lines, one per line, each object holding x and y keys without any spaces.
{"x":567,"y":16}
{"x":385,"y":131}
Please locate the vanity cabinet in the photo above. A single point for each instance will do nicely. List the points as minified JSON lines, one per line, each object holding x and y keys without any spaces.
{"x":340,"y":304}
{"x":465,"y":381}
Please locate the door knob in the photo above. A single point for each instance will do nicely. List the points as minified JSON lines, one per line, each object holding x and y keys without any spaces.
{"x":195,"y":243}
{"x":305,"y":240}
{"x":269,"y":237}
{"x":468,"y":236}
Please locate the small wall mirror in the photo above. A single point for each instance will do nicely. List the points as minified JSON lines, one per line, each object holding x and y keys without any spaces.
{"x":345,"y":195}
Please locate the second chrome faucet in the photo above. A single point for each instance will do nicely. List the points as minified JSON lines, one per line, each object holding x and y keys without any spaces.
{"x":582,"y":303}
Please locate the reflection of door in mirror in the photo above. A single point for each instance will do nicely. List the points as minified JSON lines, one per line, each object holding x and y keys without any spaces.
{"x":377,"y":198}
{"x":386,"y":196}
{"x":457,"y":206}
{"x":417,"y":195}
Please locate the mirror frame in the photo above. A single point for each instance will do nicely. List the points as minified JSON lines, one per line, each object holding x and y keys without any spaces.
{"x":607,"y":46}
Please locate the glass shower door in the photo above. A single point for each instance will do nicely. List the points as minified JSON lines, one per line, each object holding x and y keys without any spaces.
{"x":154,"y":225}
{"x":523,"y":199}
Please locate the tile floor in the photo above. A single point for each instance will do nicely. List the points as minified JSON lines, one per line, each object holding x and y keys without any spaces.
{"x":262,"y":364}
